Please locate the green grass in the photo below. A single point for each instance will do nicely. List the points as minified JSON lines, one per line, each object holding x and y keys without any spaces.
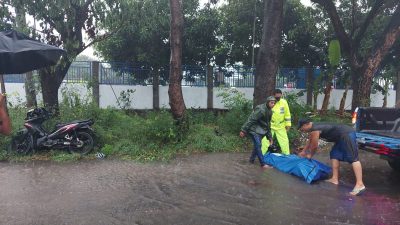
{"x":150,"y":136}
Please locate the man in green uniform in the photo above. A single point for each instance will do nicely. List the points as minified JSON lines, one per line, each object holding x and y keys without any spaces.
{"x":280,"y":124}
{"x":257,"y":126}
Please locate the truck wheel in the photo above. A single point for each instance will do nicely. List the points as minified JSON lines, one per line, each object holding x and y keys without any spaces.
{"x":395,"y":164}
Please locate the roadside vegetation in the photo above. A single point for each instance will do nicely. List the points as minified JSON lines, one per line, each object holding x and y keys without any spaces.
{"x":152,"y":136}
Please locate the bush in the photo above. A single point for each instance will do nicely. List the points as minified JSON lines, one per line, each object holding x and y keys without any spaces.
{"x":153,"y":135}
{"x":239,"y":109}
{"x":297,"y":109}
{"x":205,"y":138}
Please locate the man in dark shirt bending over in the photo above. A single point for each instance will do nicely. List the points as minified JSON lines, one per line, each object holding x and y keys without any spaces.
{"x":345,"y":148}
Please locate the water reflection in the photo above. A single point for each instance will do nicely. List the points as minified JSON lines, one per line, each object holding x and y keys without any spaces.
{"x":201,"y":189}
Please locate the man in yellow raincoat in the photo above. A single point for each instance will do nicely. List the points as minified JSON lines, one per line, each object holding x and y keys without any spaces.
{"x":280,"y":124}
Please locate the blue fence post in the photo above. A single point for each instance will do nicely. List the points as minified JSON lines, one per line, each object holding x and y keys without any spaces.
{"x":301,"y":78}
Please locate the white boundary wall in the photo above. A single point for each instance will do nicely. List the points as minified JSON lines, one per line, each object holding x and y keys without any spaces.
{"x":195,"y":97}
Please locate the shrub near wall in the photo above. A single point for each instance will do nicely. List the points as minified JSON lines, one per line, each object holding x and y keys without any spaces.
{"x":124,"y":135}
{"x":153,"y":135}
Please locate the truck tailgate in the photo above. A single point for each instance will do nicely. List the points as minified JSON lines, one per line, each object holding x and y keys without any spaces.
{"x":381,"y":145}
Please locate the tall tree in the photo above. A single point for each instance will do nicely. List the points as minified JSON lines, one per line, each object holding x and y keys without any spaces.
{"x":334,"y":61}
{"x":365,"y":60}
{"x":175,"y":90}
{"x":241,"y":31}
{"x":269,"y":52}
{"x":21,"y":26}
{"x":305,"y":30}
{"x":64,"y":24}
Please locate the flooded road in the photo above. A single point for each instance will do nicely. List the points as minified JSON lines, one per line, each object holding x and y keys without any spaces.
{"x":201,"y":189}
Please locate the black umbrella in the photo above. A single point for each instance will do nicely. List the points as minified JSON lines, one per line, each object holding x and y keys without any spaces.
{"x":20,"y":53}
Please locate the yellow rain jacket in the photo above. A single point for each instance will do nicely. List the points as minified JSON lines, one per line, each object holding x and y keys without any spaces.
{"x":281,"y":115}
{"x":280,"y":120}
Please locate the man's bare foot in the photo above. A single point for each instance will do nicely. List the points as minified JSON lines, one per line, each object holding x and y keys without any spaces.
{"x":266,"y":167}
{"x":336,"y":182}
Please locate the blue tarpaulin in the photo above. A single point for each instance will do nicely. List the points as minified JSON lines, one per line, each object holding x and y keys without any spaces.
{"x":308,"y":169}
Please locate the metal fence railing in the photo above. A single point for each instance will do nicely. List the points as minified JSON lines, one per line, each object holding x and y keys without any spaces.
{"x":79,"y":72}
{"x":234,"y":76}
{"x":122,"y":73}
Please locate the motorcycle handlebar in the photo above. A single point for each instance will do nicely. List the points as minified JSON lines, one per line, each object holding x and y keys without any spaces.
{"x":38,"y":113}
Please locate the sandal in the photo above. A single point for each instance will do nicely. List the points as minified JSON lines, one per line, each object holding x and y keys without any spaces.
{"x":358,"y":191}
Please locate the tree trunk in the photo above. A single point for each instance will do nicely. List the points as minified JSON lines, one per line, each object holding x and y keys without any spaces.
{"x":175,"y":90}
{"x":327,"y":92}
{"x":343,"y":100}
{"x":20,"y":21}
{"x":30,"y":91}
{"x":156,"y":89}
{"x":397,"y":105}
{"x":96,"y":82}
{"x":374,"y":59}
{"x":310,"y":82}
{"x":210,"y":88}
{"x":384,"y":105}
{"x":315,"y":103}
{"x":366,"y":65}
{"x":385,"y":94}
{"x":361,"y":95}
{"x":51,"y":79}
{"x":268,"y":54}
{"x":50,"y":85}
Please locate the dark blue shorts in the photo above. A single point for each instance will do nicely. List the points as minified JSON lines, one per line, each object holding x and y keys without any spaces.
{"x":346,"y":149}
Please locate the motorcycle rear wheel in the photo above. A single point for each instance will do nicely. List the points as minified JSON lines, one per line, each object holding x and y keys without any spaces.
{"x":21,"y":143}
{"x":82,"y":143}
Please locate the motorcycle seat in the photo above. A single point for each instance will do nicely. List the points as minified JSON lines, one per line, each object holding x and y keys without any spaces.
{"x":72,"y":122}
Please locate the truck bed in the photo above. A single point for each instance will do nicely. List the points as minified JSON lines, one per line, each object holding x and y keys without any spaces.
{"x":385,"y":133}
{"x":378,"y":131}
{"x":387,"y":146}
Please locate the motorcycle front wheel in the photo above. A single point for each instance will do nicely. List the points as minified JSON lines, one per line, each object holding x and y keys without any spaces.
{"x":81,"y":143}
{"x":21,"y":143}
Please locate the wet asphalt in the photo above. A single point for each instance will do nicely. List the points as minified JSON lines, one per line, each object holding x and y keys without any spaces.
{"x":220,"y":188}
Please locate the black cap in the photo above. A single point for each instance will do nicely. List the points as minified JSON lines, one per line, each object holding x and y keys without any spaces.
{"x":303,"y":121}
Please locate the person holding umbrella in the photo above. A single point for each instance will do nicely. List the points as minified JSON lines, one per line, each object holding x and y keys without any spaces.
{"x":345,"y":148}
{"x":20,"y":54}
{"x":5,"y":125}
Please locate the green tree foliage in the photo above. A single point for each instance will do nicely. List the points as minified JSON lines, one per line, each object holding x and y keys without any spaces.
{"x":6,"y":18}
{"x":200,"y":36}
{"x":367,"y":30}
{"x":304,"y":38}
{"x":334,"y":54}
{"x":334,"y":57}
{"x":238,"y":18}
{"x":64,"y":24}
{"x":145,"y":41}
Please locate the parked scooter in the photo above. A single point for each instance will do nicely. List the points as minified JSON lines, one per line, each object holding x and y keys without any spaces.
{"x":75,"y":136}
